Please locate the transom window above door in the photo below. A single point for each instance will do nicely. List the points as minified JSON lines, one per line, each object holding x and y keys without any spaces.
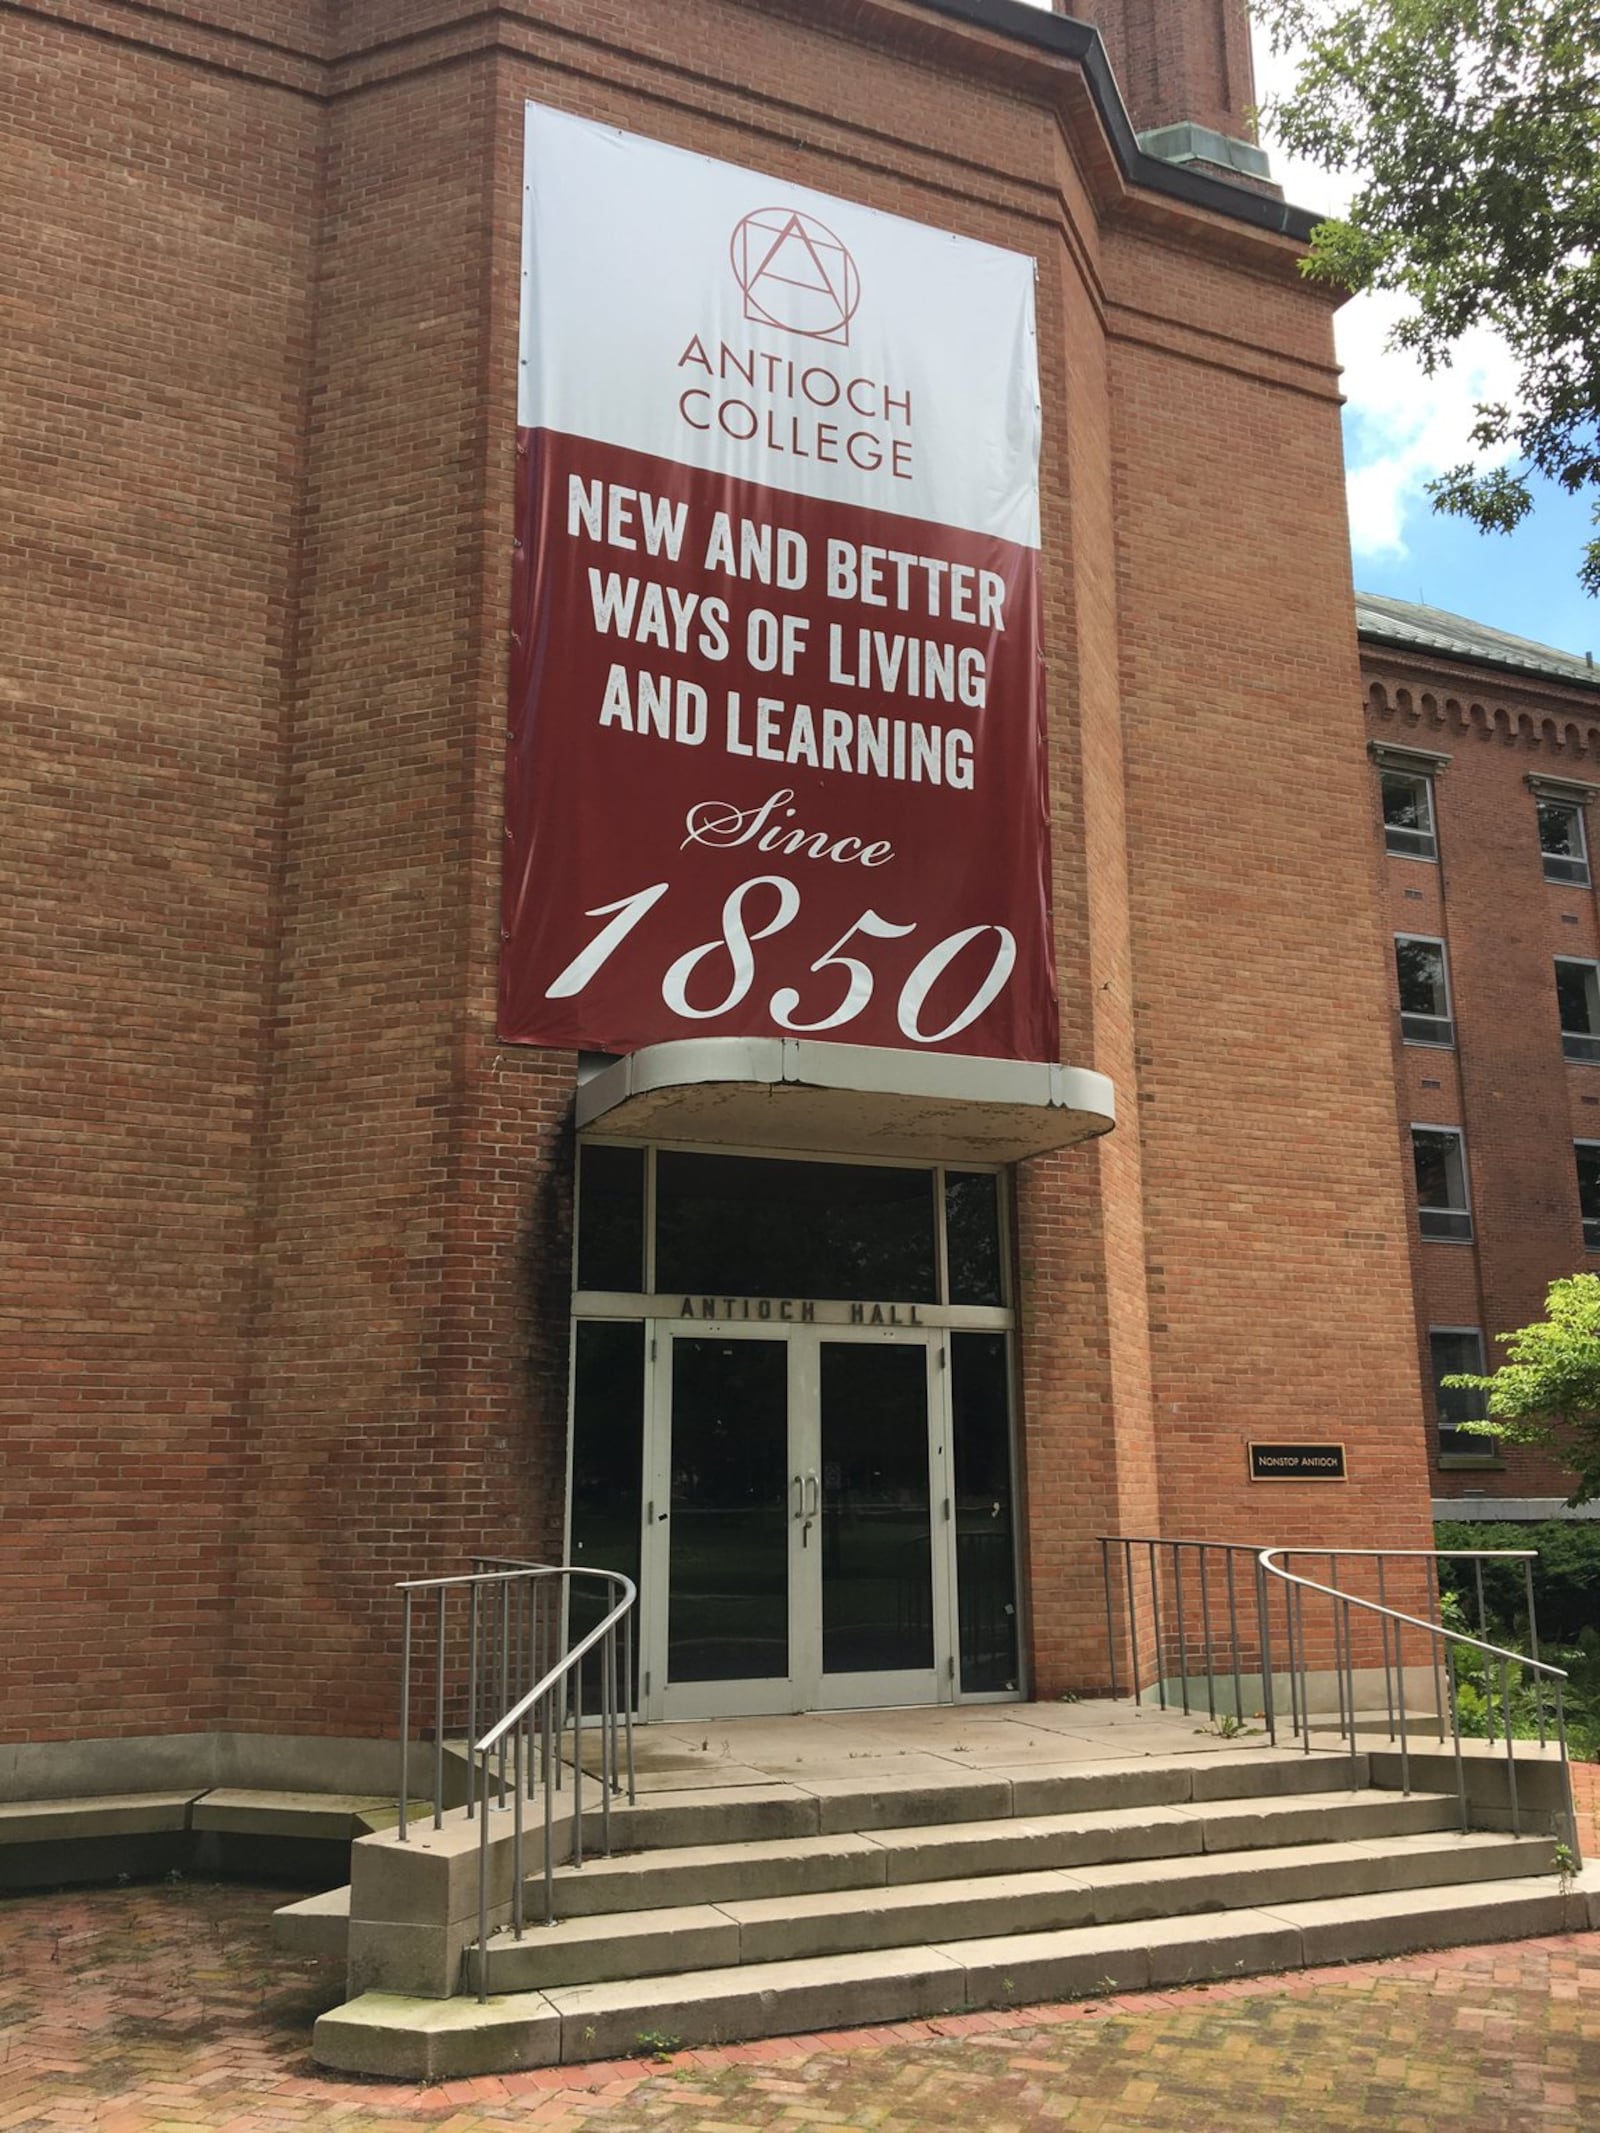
{"x":666,"y":1220}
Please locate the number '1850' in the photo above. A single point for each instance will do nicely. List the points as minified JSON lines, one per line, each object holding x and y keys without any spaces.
{"x":702,"y":966}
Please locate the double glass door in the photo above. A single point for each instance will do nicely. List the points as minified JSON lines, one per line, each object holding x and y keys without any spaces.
{"x":798,"y":1543}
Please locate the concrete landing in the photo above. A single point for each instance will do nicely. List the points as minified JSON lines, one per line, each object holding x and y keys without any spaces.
{"x":923,"y":1745}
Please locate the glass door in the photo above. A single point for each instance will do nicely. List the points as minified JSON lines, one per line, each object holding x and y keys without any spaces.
{"x":881,"y":1598}
{"x":722,"y":1526}
{"x":797,"y":1527}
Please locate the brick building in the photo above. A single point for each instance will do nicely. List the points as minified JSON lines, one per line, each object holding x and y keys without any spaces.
{"x":1484,"y":748}
{"x":289,"y":1308}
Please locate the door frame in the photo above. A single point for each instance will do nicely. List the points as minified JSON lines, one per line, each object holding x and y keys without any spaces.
{"x":806,"y":1687}
{"x":935,"y":1684}
{"x":757,"y":1315}
{"x":710,"y":1699}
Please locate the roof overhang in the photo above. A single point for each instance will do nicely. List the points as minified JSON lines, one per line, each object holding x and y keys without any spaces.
{"x":845,"y":1099}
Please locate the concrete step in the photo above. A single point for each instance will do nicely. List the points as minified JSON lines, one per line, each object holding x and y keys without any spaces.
{"x":770,"y":1867}
{"x":1323,"y":1817}
{"x":45,"y":1843}
{"x":51,"y":1843}
{"x":289,"y":1814}
{"x":316,"y":1925}
{"x":839,"y":1806}
{"x":845,"y":1921}
{"x":105,"y":1815}
{"x":1272,"y":1937}
{"x":337,"y":1816}
{"x":705,"y":1873}
{"x":400,"y":2039}
{"x":430,"y":2039}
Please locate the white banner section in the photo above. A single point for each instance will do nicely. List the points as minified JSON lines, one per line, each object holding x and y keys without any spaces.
{"x":754,"y":329}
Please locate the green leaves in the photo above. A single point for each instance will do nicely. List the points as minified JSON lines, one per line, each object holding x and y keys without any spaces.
{"x":1497,"y":500}
{"x":1474,"y":128}
{"x":1547,"y":1392}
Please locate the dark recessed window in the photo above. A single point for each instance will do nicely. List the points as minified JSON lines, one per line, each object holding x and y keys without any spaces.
{"x":1563,"y":842}
{"x":1441,"y":1171}
{"x":610,"y":1217}
{"x":1587,"y":1154}
{"x":1424,"y":990}
{"x":986,"y":1594}
{"x":1578,"y":997}
{"x":607,"y":1466}
{"x":972,"y":1236}
{"x":1408,"y":814}
{"x":1457,"y":1351}
{"x":745,"y":1225}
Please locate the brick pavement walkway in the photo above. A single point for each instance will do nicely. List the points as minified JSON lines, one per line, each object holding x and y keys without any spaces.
{"x":166,"y":2010}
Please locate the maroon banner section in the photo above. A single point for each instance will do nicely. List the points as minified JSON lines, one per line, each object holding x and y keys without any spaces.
{"x":776,"y":768}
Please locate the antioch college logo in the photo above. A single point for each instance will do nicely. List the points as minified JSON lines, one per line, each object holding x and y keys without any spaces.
{"x":796,"y":274}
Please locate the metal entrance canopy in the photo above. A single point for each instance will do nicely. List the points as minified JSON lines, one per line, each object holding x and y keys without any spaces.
{"x":846,"y":1099}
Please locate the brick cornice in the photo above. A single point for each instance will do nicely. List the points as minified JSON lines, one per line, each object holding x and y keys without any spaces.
{"x":1546,"y":719}
{"x":188,"y":35}
{"x":1054,"y":61}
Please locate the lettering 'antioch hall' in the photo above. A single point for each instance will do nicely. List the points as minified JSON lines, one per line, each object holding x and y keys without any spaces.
{"x":682,"y":681}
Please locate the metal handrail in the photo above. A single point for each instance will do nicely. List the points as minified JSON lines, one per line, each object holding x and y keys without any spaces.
{"x":1229,"y":1550}
{"x":1183,"y":1582}
{"x":516,"y":1625}
{"x":1395,"y":1620}
{"x":502,"y":1727}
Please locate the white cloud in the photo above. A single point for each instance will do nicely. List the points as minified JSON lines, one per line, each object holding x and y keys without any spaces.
{"x":1403,"y":427}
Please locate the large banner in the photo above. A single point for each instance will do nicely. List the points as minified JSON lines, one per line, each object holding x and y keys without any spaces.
{"x":777,"y":731}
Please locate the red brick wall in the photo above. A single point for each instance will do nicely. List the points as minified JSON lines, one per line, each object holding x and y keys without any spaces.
{"x":1519,"y":1101}
{"x":288,"y":1296}
{"x":1189,"y":60}
{"x":368,"y":1462}
{"x":1090,"y":1465}
{"x":1275,"y":1224}
{"x":160,"y":233}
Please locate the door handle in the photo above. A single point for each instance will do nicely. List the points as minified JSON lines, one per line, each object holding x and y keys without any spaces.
{"x":799,"y":1497}
{"x":814,"y":1495}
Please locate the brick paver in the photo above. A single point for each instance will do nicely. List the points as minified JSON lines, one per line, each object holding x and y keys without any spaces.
{"x":1586,"y":1799}
{"x":167,"y":2010}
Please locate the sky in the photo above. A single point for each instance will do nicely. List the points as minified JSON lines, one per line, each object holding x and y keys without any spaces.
{"x":1401,"y":428}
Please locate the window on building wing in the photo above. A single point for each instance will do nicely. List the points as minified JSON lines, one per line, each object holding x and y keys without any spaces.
{"x":1457,"y":1351}
{"x":1408,"y":829}
{"x":1439,"y":1159}
{"x":1578,"y":997}
{"x":1424,"y":990}
{"x":1587,"y":1154}
{"x":1563,"y":841}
